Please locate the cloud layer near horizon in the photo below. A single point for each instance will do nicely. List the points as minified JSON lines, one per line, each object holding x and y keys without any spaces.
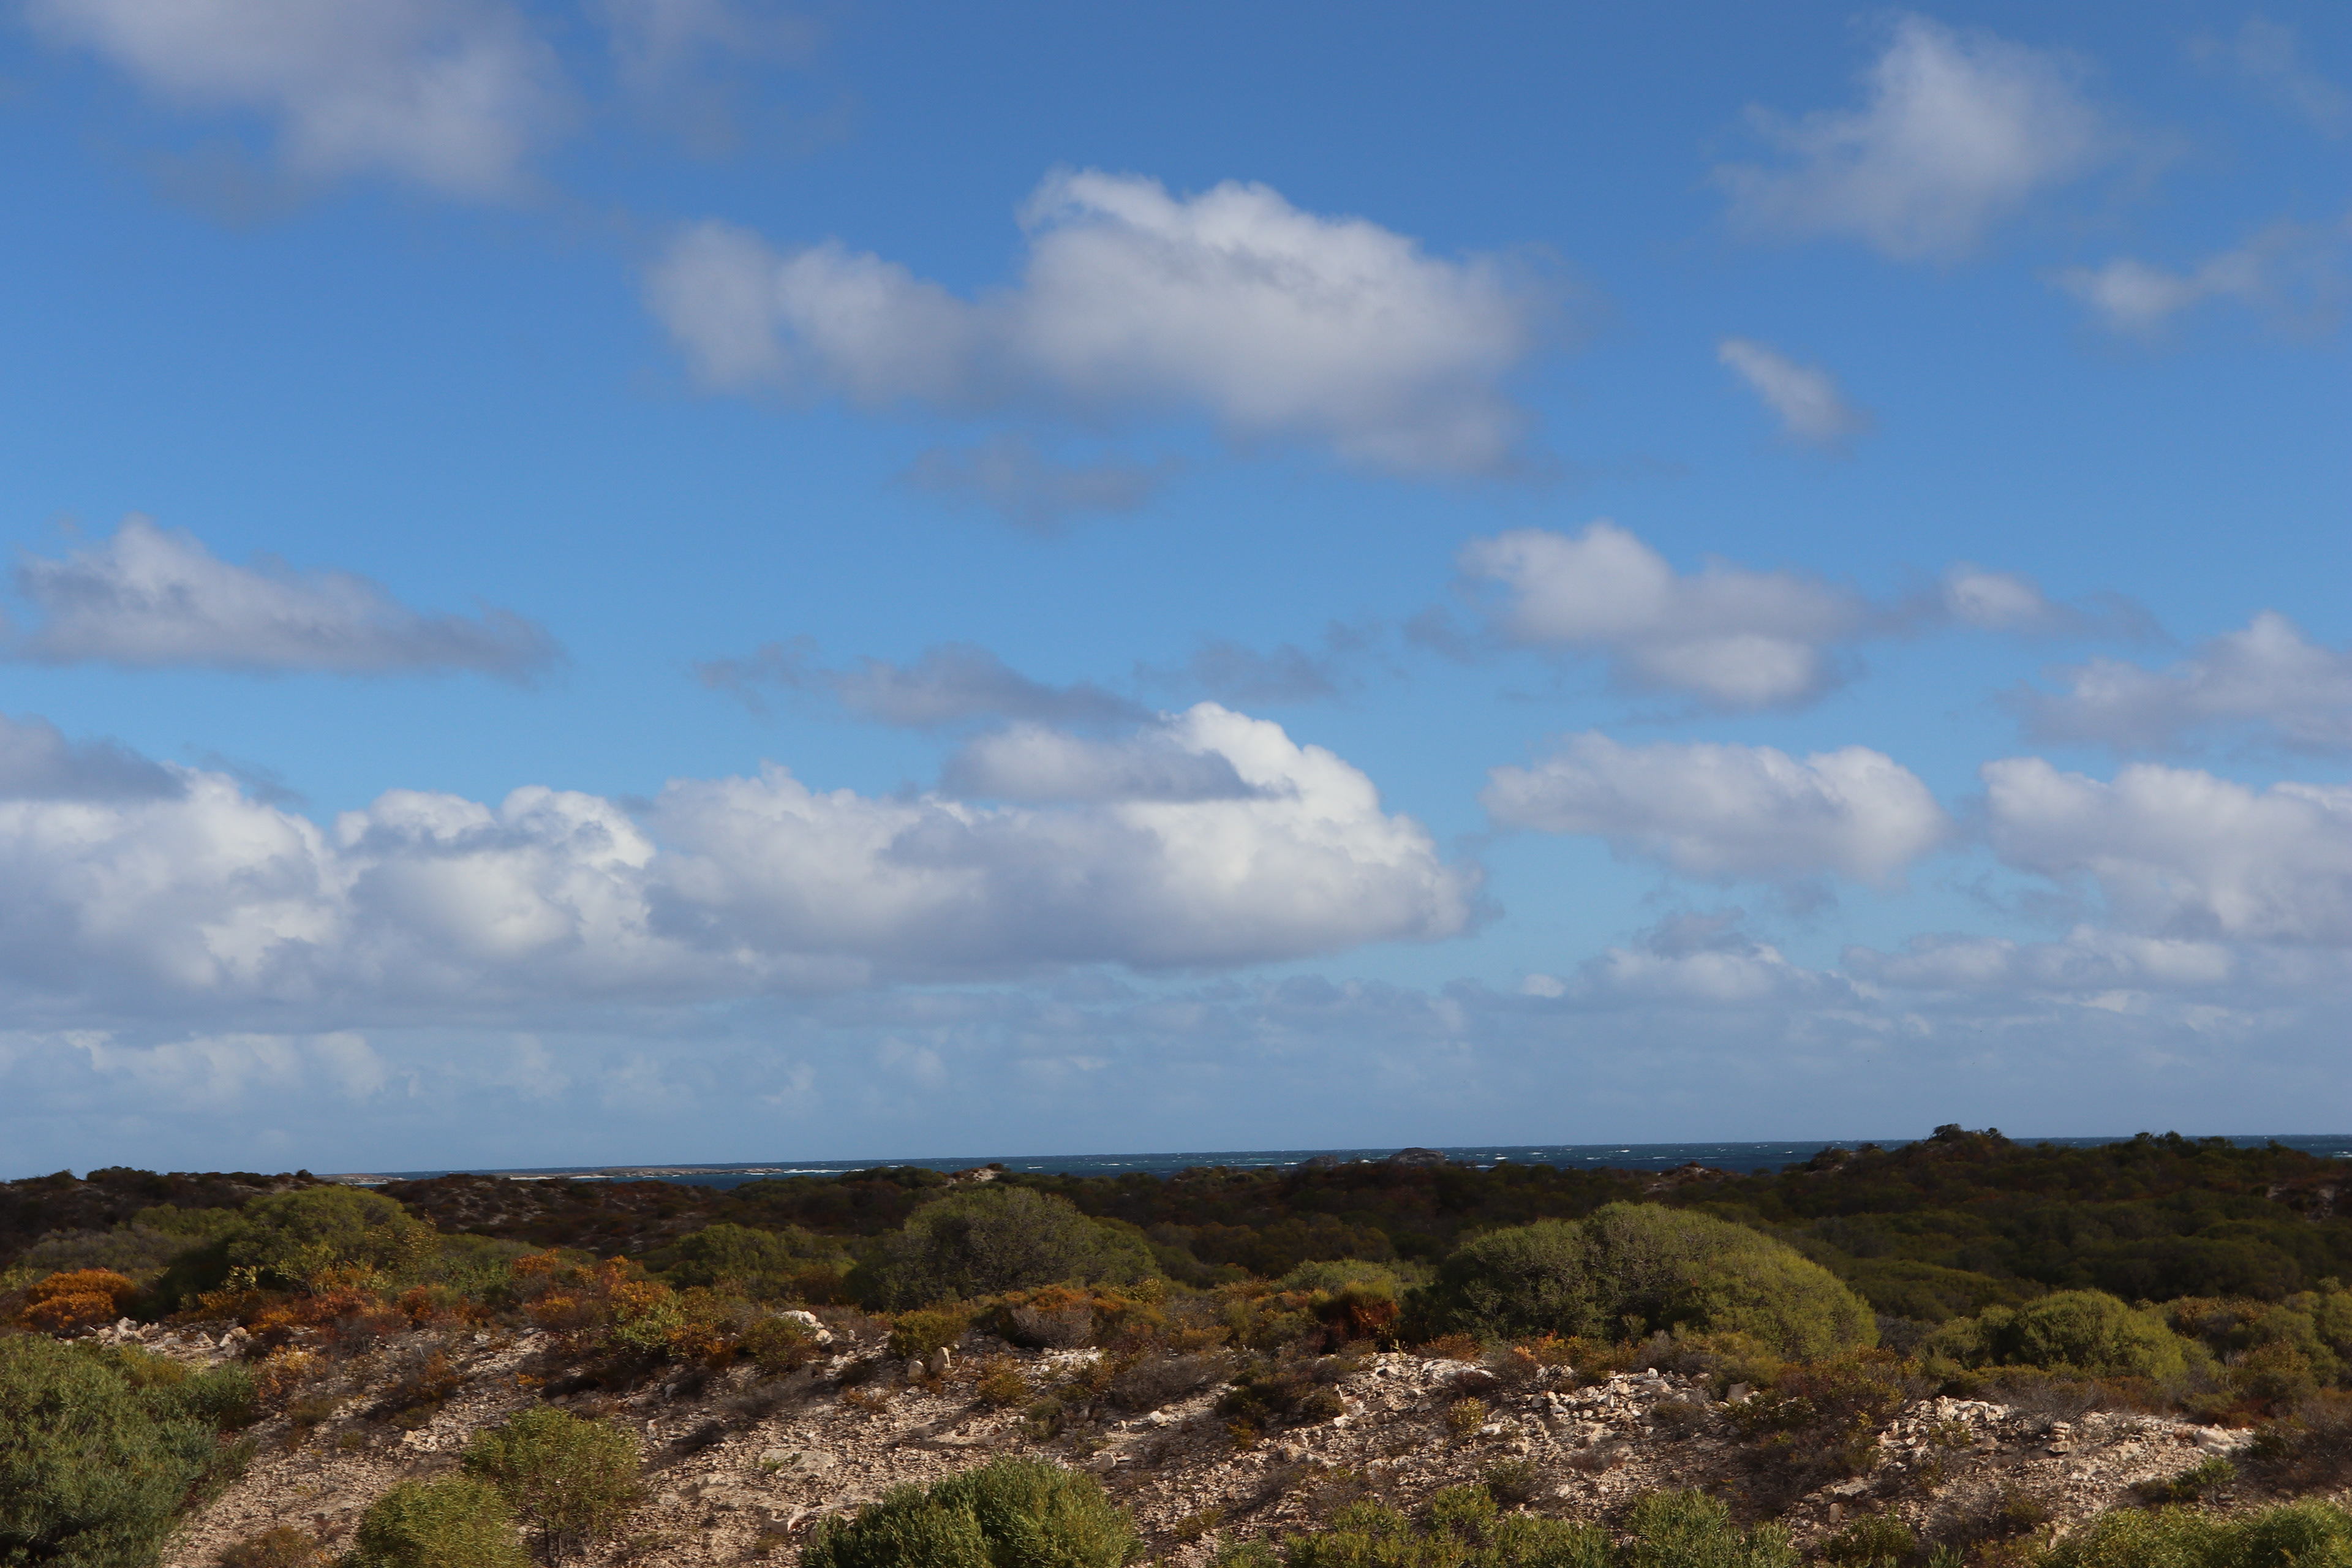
{"x":203,"y":899}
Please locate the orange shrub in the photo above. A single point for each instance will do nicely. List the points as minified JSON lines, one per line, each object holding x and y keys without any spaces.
{"x":77,"y":1299}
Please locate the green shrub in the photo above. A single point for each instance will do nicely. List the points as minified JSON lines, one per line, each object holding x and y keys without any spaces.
{"x":1460,"y":1529}
{"x":284,"y":1547}
{"x":1339,"y":1274}
{"x":1636,"y":1268}
{"x":918,"y":1334}
{"x":1010,"y":1513}
{"x":292,"y":1238}
{"x":763,"y":1265}
{"x":2296,"y":1535}
{"x":571,"y":1480}
{"x":2213,"y":1475}
{"x":459,"y":1522}
{"x":1691,"y":1529}
{"x":131,"y":1249}
{"x":2087,"y":1332}
{"x":1517,"y":1283}
{"x":92,"y":1464}
{"x":1873,"y":1540}
{"x":777,"y":1345}
{"x":992,"y":1239}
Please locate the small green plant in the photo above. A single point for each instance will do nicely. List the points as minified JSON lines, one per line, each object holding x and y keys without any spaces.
{"x":918,"y":1334}
{"x":2304,"y":1534}
{"x":1464,"y":1416}
{"x":1001,"y":1383}
{"x":1689,"y":1528}
{"x":572,"y":1481}
{"x":778,"y":1345}
{"x":1514,"y":1481}
{"x":1873,"y":1540}
{"x":2214,"y":1475}
{"x":1459,"y":1529}
{"x":1014,"y":1512}
{"x":284,"y":1547}
{"x":1265,"y":1395}
{"x":1193,"y":1526}
{"x":459,"y":1523}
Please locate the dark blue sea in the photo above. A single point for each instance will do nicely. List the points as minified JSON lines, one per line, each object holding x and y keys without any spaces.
{"x":1571,"y":1156}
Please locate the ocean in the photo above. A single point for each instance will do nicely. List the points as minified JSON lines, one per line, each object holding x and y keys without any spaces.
{"x":1573,"y":1156}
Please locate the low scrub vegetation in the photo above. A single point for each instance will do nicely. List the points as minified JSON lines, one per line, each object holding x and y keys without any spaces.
{"x":2160,"y":1274}
{"x":1638,"y":1269}
{"x":99,"y":1450}
{"x":1012,"y":1514}
{"x":571,"y":1482}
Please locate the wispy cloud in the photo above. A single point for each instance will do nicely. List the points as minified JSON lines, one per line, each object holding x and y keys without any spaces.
{"x":2267,"y":56}
{"x":949,"y":684}
{"x":1009,"y":476}
{"x":1959,"y":131}
{"x":1275,"y":324}
{"x":2293,"y":272}
{"x":1807,"y":399}
{"x":154,"y":598}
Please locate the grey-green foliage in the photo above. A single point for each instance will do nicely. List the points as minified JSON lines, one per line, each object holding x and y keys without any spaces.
{"x":762,"y":1264}
{"x":97,"y":1451}
{"x":1637,"y":1268}
{"x":191,"y":1225}
{"x":2069,"y":1331}
{"x":1691,"y":1529}
{"x":1461,"y":1528}
{"x":1338,"y":1274}
{"x":133,"y":1251}
{"x":287,"y":1237}
{"x":1010,"y":1513}
{"x":2296,"y":1535}
{"x":481,"y":1267}
{"x":457,"y":1523}
{"x":992,"y":1239}
{"x":572,"y":1481}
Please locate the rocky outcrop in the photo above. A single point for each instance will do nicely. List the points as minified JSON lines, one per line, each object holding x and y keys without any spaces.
{"x":739,"y":1466}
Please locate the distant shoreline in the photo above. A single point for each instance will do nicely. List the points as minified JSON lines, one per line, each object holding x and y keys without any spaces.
{"x":1760,"y":1155}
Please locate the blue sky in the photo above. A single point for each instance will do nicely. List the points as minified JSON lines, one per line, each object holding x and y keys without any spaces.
{"x":693,"y":580}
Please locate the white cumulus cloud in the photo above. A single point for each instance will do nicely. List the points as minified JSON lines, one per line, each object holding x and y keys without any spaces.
{"x":154,"y":597}
{"x":206,"y":899}
{"x":1274,"y":322}
{"x":1726,"y":812}
{"x":1737,"y":637}
{"x":2267,"y":677}
{"x":451,"y":94}
{"x":1959,"y":131}
{"x":1805,"y":397}
{"x":2179,"y":852}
